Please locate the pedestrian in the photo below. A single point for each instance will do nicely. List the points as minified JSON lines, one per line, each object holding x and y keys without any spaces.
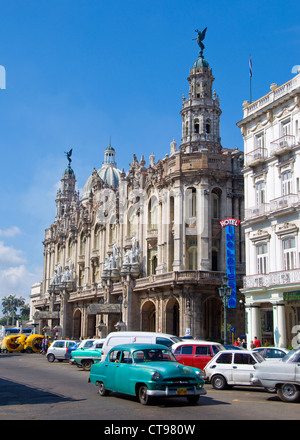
{"x":252,"y":345}
{"x":43,"y":346}
{"x":244,"y":343}
{"x":256,"y":342}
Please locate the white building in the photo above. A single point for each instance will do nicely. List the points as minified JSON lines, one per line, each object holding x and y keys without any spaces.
{"x":270,"y":128}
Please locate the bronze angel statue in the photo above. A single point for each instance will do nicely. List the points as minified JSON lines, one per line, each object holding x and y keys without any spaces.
{"x":200,"y":38}
{"x":69,"y":154}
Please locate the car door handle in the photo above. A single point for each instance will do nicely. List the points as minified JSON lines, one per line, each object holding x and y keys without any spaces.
{"x":234,"y":366}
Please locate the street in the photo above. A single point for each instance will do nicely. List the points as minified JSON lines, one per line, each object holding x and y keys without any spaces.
{"x":31,"y":388}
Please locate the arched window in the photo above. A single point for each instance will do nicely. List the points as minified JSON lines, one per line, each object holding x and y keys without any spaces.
{"x":215,"y":204}
{"x":208,"y":126}
{"x":97,"y":237}
{"x":70,"y":248}
{"x":191,"y":198}
{"x":187,"y":128}
{"x":196,"y":126}
{"x":112,"y":233}
{"x":191,"y":254}
{"x":153,"y":213}
{"x":82,"y":243}
{"x":132,"y":222}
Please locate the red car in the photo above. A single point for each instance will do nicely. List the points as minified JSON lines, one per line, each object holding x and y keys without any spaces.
{"x":195,"y":353}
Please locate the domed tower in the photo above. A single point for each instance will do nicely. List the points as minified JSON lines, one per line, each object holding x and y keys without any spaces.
{"x":68,"y":192}
{"x":109,"y":172}
{"x":201,"y":112}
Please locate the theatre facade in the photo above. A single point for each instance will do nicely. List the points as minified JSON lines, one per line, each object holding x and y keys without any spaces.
{"x":144,"y":249}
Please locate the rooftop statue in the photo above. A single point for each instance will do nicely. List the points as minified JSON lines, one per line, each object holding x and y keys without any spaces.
{"x":200,"y":38}
{"x":69,"y":154}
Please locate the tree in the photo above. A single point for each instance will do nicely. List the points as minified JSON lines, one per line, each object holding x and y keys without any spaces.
{"x":10,"y":305}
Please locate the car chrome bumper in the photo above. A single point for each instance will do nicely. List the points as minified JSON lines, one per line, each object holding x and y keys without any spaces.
{"x":169,"y":393}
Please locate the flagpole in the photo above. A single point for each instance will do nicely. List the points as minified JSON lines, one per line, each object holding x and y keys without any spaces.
{"x":250,"y":77}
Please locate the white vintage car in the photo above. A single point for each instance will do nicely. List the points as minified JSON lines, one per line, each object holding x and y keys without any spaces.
{"x":283,"y":375}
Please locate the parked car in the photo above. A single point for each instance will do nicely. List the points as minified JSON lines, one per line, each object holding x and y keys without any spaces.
{"x":271,"y":353}
{"x":283,"y":375}
{"x":70,"y":349}
{"x":87,"y":343}
{"x":233,"y":347}
{"x":59,"y":348}
{"x":129,"y":337}
{"x":86,"y":357}
{"x":232,"y":367}
{"x":195,"y":353}
{"x":146,"y":371}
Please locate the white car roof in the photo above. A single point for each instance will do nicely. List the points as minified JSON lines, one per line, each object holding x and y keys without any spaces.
{"x":194,"y":342}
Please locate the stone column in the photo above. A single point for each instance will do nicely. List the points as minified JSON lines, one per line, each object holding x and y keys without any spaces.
{"x":279,"y":325}
{"x":253,"y":322}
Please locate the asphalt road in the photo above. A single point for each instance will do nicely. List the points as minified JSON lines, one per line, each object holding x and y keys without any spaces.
{"x":31,"y":388}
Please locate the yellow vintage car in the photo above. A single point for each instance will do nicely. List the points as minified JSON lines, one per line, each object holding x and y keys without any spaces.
{"x":13,"y":343}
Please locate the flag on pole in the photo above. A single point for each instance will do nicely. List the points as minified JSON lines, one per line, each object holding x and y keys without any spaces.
{"x":250,"y":66}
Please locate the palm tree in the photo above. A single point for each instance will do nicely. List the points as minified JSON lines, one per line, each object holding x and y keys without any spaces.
{"x":10,"y":305}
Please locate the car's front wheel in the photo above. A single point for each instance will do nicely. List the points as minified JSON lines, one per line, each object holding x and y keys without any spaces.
{"x":219,"y":382}
{"x":51,"y":357}
{"x":102,"y":390}
{"x":143,"y":395}
{"x":288,"y":392}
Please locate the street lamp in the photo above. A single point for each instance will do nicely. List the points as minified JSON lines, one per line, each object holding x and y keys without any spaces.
{"x":225,"y":292}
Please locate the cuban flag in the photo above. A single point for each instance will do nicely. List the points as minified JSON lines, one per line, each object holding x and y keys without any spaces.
{"x":250,"y":67}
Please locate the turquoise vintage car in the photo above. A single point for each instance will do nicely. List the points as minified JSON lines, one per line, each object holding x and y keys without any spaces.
{"x":86,"y":357}
{"x":146,"y":371}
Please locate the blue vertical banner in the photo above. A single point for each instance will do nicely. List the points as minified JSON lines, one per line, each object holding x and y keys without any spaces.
{"x":229,"y":224}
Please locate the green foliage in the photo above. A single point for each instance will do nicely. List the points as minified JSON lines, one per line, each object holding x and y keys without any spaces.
{"x":10,"y":306}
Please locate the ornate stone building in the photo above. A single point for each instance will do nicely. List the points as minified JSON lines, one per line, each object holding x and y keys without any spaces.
{"x":144,"y":250}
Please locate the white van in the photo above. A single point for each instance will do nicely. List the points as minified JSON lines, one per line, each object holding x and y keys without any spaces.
{"x":130,"y":337}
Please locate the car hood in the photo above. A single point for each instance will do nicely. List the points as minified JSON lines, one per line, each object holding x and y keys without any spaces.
{"x":168,"y":369}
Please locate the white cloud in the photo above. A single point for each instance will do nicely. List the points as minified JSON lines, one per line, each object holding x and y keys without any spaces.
{"x":11,"y":232}
{"x":18,"y":281}
{"x":10,"y":256}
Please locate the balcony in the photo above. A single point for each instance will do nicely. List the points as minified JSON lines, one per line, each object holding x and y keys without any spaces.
{"x":289,"y":201}
{"x":282,"y":145}
{"x":256,"y":157}
{"x":257,"y":211}
{"x":281,"y":278}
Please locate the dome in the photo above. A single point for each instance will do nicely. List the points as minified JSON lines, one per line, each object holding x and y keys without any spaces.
{"x":68,"y":171}
{"x":109,"y":172}
{"x":201,"y":62}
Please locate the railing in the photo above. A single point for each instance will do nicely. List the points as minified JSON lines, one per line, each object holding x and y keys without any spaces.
{"x":257,"y":211}
{"x":256,"y":156}
{"x":272,"y":96}
{"x":287,"y":201}
{"x":272,"y":279}
{"x":284,"y":202}
{"x":282,"y":145}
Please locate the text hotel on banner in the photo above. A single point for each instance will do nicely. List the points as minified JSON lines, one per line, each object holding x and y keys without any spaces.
{"x":230,"y":224}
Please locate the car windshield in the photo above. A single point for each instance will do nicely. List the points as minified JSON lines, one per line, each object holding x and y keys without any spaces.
{"x":258,"y":357}
{"x":217,"y":348}
{"x":292,"y":356}
{"x":153,"y":355}
{"x":88,"y":344}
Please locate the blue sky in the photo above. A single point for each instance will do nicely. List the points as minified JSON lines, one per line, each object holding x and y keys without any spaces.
{"x":81,"y":71}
